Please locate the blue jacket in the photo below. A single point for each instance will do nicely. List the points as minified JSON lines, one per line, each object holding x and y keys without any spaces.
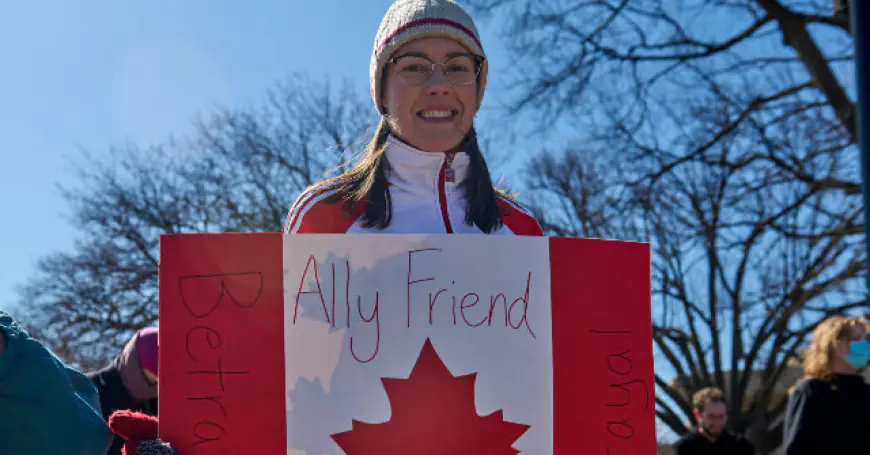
{"x":46,"y":407}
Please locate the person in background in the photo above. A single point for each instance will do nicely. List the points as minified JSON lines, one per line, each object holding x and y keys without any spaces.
{"x":46,"y":407}
{"x":711,"y":436}
{"x":829,"y":410}
{"x":130,"y":382}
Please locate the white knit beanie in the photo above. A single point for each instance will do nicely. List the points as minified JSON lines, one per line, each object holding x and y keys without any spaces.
{"x":407,"y":20}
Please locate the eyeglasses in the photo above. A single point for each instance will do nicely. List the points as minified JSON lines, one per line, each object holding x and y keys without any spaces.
{"x":461,"y":69}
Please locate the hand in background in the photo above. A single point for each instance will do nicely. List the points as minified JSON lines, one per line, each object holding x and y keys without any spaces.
{"x":140,"y":433}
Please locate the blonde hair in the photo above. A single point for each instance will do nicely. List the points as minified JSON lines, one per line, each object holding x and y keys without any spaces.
{"x":817,"y":356}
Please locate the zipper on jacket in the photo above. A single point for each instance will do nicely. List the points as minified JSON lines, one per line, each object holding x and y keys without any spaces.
{"x":447,"y":174}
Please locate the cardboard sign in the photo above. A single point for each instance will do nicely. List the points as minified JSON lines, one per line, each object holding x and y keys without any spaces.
{"x":394,"y":344}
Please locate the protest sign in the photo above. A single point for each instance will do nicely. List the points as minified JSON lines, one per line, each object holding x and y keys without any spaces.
{"x":387,"y":344}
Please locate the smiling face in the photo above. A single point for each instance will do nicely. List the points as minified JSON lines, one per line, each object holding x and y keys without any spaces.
{"x":433,"y":115}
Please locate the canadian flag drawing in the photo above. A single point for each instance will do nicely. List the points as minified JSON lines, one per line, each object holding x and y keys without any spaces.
{"x":315,"y":344}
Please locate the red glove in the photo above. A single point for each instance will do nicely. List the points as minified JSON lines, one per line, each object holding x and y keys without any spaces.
{"x":139,"y":432}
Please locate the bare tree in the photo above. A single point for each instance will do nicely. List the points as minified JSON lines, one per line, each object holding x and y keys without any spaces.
{"x":721,"y":132}
{"x":562,"y":48}
{"x":239,"y":171}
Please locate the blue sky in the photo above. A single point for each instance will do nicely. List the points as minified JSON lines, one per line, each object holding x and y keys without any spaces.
{"x":86,"y":75}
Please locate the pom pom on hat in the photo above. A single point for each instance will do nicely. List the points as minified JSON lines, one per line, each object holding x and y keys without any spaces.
{"x":407,"y":20}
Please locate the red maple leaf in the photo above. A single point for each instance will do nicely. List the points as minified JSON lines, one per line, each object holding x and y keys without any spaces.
{"x":432,"y":413}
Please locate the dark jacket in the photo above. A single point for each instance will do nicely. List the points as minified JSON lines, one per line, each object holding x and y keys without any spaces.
{"x":115,"y":394}
{"x":727,"y":444}
{"x":828,"y":416}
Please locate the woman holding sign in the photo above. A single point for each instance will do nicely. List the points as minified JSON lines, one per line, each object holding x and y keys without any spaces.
{"x":423,"y":171}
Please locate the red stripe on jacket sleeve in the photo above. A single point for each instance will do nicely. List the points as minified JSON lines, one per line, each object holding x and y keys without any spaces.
{"x":300,"y":206}
{"x":328,"y":218}
{"x":517,"y":219}
{"x":312,"y":214}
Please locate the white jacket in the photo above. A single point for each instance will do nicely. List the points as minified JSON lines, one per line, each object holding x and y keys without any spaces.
{"x":426,"y":198}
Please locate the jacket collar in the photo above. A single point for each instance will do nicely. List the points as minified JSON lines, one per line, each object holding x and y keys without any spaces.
{"x":412,"y":166}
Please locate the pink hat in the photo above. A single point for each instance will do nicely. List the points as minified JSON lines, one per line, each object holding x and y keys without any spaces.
{"x":147,"y":348}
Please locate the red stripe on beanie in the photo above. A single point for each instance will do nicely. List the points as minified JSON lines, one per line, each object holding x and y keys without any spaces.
{"x":430,"y":21}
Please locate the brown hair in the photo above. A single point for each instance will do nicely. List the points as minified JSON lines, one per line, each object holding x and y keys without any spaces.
{"x":817,"y":356}
{"x":706,"y":396}
{"x":367,"y":182}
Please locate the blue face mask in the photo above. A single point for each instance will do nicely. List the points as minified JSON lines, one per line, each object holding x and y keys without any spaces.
{"x":859,"y":354}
